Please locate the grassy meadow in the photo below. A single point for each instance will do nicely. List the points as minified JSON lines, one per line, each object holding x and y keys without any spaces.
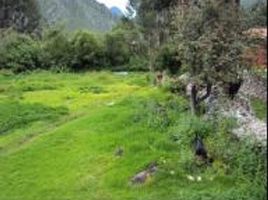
{"x":59,"y":133}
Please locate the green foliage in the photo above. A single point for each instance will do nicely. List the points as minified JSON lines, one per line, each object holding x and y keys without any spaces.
{"x":161,"y":115}
{"x":88,"y":52}
{"x":256,"y":15}
{"x":126,"y":48}
{"x":168,"y":59}
{"x":137,"y":63}
{"x":117,"y":49}
{"x":189,"y":127}
{"x":19,"y":52}
{"x":56,"y":49}
{"x":120,"y":49}
{"x":210,"y":37}
{"x":174,"y":86}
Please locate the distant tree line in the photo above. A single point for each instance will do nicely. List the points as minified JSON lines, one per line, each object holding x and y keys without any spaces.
{"x":123,"y":48}
{"x":203,"y":38}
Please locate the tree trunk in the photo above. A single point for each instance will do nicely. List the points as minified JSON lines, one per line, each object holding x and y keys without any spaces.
{"x":193,"y":99}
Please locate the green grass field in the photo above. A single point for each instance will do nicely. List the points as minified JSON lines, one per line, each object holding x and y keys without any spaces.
{"x":59,"y":134}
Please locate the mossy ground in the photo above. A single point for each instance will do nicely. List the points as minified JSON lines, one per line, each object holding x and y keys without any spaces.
{"x":59,"y":134}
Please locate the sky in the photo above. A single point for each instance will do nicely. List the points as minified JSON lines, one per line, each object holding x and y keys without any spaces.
{"x":118,"y":3}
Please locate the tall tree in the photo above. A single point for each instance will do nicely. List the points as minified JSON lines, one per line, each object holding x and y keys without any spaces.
{"x":209,"y":36}
{"x":154,"y":16}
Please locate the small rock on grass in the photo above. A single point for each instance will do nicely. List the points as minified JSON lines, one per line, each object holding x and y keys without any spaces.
{"x":140,"y":178}
{"x":143,"y":176}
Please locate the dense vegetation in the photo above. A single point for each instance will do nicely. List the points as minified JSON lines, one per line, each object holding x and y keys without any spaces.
{"x":83,"y":113}
{"x":120,"y":49}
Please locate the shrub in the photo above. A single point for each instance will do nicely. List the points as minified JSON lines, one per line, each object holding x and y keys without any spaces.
{"x":175,"y":86}
{"x":19,"y":52}
{"x":138,"y":63}
{"x":168,"y":59}
{"x":260,"y":108}
{"x":88,"y":52}
{"x":190,"y":126}
{"x":56,"y":49}
{"x":161,"y":115}
{"x":117,"y":49}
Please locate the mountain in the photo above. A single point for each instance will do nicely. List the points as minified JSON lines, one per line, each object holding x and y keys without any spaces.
{"x":249,"y":3}
{"x":116,"y":11}
{"x":78,"y":14}
{"x":21,"y":15}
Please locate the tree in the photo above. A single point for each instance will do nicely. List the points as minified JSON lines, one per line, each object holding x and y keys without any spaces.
{"x":257,"y":15}
{"x":87,"y":50}
{"x":124,"y":43}
{"x":209,"y":36}
{"x":154,"y":18}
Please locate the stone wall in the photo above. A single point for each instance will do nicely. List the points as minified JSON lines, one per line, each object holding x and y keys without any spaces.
{"x":254,"y":86}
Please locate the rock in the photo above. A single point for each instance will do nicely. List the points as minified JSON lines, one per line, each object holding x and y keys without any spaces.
{"x":240,"y":109}
{"x":254,"y":86}
{"x":152,"y":168}
{"x":140,"y":177}
{"x":184,"y":78}
{"x":189,"y":89}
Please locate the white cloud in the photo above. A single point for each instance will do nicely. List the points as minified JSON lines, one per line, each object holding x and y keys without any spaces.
{"x":118,"y":3}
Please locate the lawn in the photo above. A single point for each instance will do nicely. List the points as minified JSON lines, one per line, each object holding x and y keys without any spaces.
{"x":59,"y":134}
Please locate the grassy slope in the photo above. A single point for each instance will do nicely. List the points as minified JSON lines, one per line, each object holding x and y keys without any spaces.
{"x":71,"y":156}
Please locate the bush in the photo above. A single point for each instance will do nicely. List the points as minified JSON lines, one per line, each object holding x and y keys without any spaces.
{"x":117,"y":49}
{"x":56,"y":50}
{"x":260,"y":108}
{"x":168,"y":59}
{"x":175,"y":86}
{"x":138,"y":63}
{"x":19,"y":52}
{"x":88,"y":52}
{"x":188,"y":127}
{"x":161,"y":115}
